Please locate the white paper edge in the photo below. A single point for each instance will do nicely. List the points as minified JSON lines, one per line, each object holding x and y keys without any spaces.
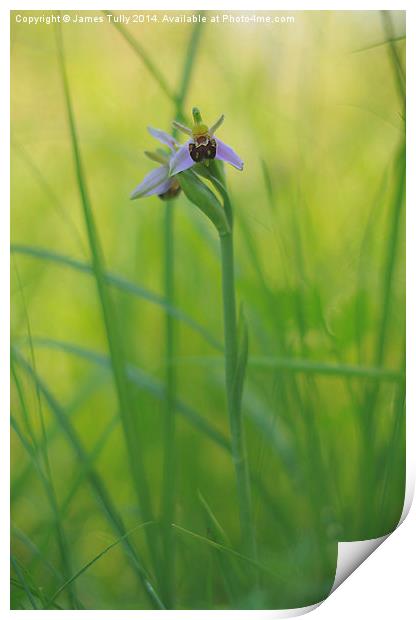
{"x":343,"y":553}
{"x":353,"y":553}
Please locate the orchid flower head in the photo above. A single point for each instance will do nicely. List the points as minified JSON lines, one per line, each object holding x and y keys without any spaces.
{"x":158,"y":181}
{"x":202,"y":145}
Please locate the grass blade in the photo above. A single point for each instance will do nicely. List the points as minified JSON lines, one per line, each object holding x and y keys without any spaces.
{"x":226,"y":564}
{"x":120,"y":283}
{"x":307,"y":366}
{"x":23,"y":582}
{"x":93,"y":478}
{"x":228,"y":550}
{"x":325,"y":368}
{"x":140,"y":51}
{"x":380,"y":44}
{"x":142,"y":380}
{"x":397,"y":68}
{"x":40,"y":457}
{"x":36,"y":552}
{"x":113,"y":337}
{"x":264,"y":422}
{"x":91,"y":562}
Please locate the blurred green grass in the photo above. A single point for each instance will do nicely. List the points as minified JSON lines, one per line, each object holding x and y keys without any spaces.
{"x":320,"y":268}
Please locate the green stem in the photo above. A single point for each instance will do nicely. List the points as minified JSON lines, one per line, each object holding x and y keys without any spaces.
{"x":386,"y":301}
{"x":233,"y":398}
{"x":169,"y":463}
{"x":398,"y":71}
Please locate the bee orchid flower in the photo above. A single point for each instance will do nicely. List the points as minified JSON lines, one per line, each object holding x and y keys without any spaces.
{"x":201,"y":146}
{"x":159,"y":182}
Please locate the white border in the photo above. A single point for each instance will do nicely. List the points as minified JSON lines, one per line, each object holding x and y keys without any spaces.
{"x":356,"y":595}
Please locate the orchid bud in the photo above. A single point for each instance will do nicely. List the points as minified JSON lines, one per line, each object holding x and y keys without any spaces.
{"x":198,"y":193}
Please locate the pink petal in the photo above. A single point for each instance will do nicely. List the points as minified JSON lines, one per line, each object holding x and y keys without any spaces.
{"x":163,"y":137}
{"x":159,"y":189}
{"x":181,"y":160}
{"x":227,"y":154}
{"x":153,"y":183}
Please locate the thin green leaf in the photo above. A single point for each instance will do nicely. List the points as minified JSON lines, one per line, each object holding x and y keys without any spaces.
{"x":24,"y":584}
{"x":142,"y":380}
{"x":126,"y":403}
{"x":226,"y":564}
{"x":35,"y":551}
{"x":140,"y":51}
{"x":298,"y":365}
{"x":229,"y":550}
{"x":387,"y":41}
{"x":91,"y":562}
{"x":118,"y":282}
{"x":93,"y":477}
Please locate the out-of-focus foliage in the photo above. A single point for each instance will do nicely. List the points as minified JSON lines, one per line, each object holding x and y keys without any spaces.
{"x":314,"y":109}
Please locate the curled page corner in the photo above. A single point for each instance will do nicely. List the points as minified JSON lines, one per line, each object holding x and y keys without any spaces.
{"x":292,"y":613}
{"x":352,"y":554}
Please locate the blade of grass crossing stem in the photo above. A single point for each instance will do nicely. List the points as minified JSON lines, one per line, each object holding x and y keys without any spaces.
{"x":259,"y":418}
{"x":262,"y":419}
{"x":93,"y":477}
{"x":169,"y":463}
{"x":126,"y":404}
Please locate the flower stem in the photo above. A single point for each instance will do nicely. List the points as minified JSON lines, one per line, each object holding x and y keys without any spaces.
{"x":169,"y":464}
{"x":233,"y":394}
{"x":169,"y":431}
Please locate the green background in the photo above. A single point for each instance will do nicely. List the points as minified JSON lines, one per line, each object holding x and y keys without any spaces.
{"x":315,"y":109}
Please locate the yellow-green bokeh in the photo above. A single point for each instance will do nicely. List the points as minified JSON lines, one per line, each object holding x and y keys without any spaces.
{"x":306,"y":102}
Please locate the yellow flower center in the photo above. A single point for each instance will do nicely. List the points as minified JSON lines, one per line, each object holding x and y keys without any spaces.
{"x":199,"y":129}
